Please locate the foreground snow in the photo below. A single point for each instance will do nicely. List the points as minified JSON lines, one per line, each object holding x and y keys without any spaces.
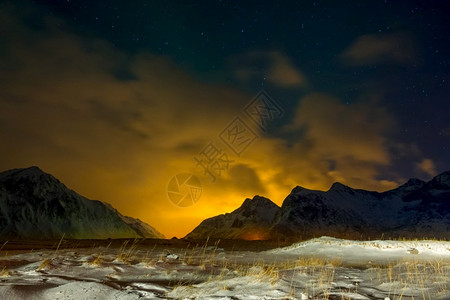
{"x":324,"y":268}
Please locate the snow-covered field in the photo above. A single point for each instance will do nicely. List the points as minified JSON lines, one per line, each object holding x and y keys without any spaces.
{"x":324,"y":268}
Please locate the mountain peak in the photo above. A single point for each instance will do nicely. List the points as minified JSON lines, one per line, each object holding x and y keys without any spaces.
{"x":257,"y":201}
{"x":413,"y":182}
{"x":251,"y":221}
{"x":337,"y":186}
{"x":31,"y":178}
{"x":298,"y":189}
{"x":441,"y":181}
{"x":32,"y":171}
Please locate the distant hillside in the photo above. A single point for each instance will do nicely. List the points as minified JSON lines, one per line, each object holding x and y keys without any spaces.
{"x":415,"y":209}
{"x":36,"y":205}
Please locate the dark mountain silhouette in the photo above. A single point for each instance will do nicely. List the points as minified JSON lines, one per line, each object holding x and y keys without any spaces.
{"x":415,"y":209}
{"x":36,"y":205}
{"x":250,"y":221}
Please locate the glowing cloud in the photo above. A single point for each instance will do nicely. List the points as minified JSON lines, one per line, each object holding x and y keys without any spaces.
{"x":117,"y":127}
{"x":278,"y":69}
{"x":427,"y":166}
{"x":380,"y":48}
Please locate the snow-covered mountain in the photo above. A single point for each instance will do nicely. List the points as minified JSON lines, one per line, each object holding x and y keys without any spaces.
{"x":250,"y":221}
{"x":415,"y":209}
{"x":36,"y":205}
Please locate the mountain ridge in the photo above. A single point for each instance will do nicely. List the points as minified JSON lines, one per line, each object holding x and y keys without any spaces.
{"x":36,"y":205}
{"x":415,"y":209}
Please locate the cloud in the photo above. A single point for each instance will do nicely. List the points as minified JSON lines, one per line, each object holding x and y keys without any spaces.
{"x":283,"y":72}
{"x":398,"y":48}
{"x":331,"y":141}
{"x":273,"y":66}
{"x":67,"y":106}
{"x":427,"y":166}
{"x":246,"y":178}
{"x":117,"y":139}
{"x":339,"y":142}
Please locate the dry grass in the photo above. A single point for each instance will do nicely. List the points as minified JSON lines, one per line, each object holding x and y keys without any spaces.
{"x":4,"y":272}
{"x":128,"y":254}
{"x":309,"y":275}
{"x":45,"y":264}
{"x":98,"y":261}
{"x":401,"y":276}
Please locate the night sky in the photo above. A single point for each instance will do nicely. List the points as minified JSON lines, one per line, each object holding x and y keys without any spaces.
{"x":115,"y":98}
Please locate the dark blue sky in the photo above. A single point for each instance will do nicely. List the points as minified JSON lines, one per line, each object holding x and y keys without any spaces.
{"x":203,"y":36}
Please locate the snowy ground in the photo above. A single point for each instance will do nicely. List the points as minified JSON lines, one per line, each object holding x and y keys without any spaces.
{"x":324,"y":268}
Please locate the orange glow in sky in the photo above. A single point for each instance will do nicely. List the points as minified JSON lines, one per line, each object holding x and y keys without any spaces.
{"x":122,"y":141}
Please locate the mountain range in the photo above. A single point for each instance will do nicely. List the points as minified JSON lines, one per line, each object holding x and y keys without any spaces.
{"x":36,"y":205}
{"x":415,"y":209}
